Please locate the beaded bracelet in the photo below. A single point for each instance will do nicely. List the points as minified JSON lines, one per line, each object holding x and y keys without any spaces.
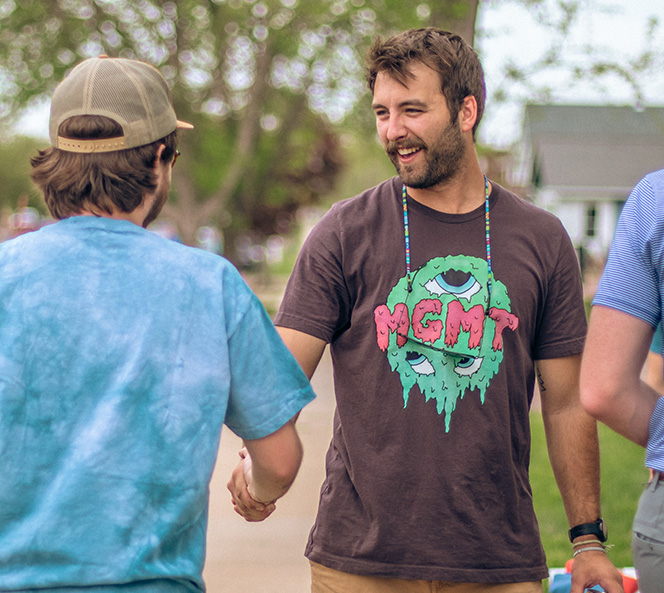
{"x":588,"y":541}
{"x":593,"y":549}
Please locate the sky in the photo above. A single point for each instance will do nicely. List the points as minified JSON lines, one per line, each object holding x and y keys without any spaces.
{"x":615,"y":29}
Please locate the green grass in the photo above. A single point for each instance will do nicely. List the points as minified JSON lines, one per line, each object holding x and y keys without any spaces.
{"x":623,"y":476}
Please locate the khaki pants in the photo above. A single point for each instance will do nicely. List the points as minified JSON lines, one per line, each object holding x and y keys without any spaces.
{"x":648,"y":537}
{"x":328,"y":580}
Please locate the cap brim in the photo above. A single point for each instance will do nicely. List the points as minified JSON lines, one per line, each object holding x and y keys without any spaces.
{"x":183,"y":125}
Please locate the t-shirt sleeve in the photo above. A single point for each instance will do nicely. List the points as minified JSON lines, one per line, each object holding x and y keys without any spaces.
{"x":267,"y":385}
{"x":562,"y":325}
{"x":317,"y":299}
{"x":630,"y":281}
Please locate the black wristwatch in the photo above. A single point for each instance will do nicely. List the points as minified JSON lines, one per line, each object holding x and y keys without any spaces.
{"x":597,"y":528}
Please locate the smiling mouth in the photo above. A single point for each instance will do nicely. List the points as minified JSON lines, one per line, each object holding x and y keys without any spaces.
{"x":407,"y":154}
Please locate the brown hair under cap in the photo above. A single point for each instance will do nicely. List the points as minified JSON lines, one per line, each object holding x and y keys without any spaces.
{"x":97,"y":182}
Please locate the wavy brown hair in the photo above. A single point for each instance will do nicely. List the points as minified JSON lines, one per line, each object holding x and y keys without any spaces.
{"x":448,"y":54}
{"x":97,"y":182}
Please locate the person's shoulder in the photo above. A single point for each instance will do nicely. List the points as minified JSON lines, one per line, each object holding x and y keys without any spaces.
{"x":651,"y":186}
{"x":370,"y":199}
{"x":655,"y":178}
{"x":211,"y":274}
{"x":196,"y":257}
{"x":347,"y":216}
{"x":40,"y":242}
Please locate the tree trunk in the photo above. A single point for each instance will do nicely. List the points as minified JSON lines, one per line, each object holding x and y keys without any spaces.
{"x":185,"y":213}
{"x":247,"y":136}
{"x":456,"y":16}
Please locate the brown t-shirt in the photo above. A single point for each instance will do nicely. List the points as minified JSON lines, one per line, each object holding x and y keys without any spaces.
{"x":427,"y":472}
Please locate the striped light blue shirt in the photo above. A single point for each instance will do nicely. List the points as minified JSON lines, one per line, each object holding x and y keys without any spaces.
{"x":632,"y":279}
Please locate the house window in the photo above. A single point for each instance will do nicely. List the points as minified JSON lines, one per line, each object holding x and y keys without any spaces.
{"x":591,"y":220}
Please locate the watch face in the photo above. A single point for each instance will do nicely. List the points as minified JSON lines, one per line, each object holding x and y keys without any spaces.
{"x":603,"y":533}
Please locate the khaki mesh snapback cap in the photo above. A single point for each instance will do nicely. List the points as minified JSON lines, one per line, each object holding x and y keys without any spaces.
{"x":133,"y":93}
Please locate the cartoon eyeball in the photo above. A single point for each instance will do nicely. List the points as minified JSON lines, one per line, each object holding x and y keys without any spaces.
{"x":420,"y":363}
{"x":439,"y":286}
{"x":468,"y":365}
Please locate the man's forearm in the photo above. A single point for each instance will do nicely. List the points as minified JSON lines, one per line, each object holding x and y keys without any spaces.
{"x":572,"y":440}
{"x":271,"y":469}
{"x":574,"y":454}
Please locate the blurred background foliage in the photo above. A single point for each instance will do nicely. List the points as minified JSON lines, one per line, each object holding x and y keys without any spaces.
{"x":267,"y":85}
{"x":275,"y":89}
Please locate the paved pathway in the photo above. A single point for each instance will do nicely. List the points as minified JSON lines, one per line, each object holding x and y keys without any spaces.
{"x":268,"y":557}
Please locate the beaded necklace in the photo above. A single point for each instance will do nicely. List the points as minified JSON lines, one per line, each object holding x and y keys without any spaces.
{"x":487,"y":227}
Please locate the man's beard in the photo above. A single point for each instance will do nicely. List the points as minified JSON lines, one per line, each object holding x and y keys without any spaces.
{"x":443,"y":158}
{"x":158,"y":202}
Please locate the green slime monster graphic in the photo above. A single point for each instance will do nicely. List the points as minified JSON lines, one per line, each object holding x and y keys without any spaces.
{"x":438,"y":336}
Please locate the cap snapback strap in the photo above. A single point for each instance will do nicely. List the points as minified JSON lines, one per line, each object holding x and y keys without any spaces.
{"x":87,"y":146}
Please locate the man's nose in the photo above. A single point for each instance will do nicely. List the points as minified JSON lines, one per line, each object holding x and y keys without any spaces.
{"x":395,"y":128}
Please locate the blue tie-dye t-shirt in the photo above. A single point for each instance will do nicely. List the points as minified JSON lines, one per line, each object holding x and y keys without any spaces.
{"x":121,"y":356}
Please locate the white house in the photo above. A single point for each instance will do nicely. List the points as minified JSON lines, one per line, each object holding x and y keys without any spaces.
{"x":581,"y":162}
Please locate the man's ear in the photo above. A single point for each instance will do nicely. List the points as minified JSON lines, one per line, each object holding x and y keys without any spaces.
{"x":468,"y":113}
{"x":157,"y":158}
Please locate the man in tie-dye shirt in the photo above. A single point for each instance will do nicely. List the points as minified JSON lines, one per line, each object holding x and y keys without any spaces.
{"x":122,"y":355}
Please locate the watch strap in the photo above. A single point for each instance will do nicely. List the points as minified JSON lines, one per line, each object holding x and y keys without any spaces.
{"x":596,"y":528}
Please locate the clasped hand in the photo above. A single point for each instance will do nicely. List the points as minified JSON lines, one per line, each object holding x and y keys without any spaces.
{"x":240,"y":486}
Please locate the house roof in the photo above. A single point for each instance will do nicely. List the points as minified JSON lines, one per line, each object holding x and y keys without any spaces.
{"x":593,"y":149}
